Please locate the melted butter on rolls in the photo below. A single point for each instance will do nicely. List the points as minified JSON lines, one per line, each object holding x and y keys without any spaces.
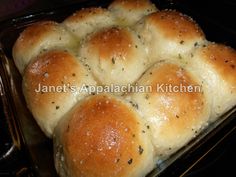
{"x":103,"y":136}
{"x":169,"y":34}
{"x":174,"y":116}
{"x":88,"y":20}
{"x":130,"y":12}
{"x":115,"y":56}
{"x":39,"y":37}
{"x":51,"y":86}
{"x":215,"y":64}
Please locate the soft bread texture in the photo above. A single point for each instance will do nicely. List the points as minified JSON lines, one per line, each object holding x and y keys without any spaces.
{"x":174,"y":116}
{"x":88,"y":20}
{"x":39,"y":37}
{"x":103,"y":136}
{"x":129,"y":12}
{"x":216,"y":65}
{"x":114,"y":53}
{"x":169,"y":34}
{"x":130,"y":43}
{"x":59,"y":76}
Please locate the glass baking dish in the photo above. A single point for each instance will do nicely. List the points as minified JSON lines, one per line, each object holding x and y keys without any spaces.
{"x":38,"y":148}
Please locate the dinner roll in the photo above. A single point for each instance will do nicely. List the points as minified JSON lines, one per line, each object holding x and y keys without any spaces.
{"x":39,"y":37}
{"x":175,"y":106}
{"x":51,"y":86}
{"x":215,"y":64}
{"x":115,"y":56}
{"x":168,"y":34}
{"x":103,"y":136}
{"x":88,"y":20}
{"x":130,"y":11}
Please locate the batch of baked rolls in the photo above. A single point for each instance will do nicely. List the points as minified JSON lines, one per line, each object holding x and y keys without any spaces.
{"x":191,"y":83}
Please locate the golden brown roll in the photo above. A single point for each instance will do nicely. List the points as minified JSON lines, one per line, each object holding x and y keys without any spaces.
{"x":51,"y":86}
{"x":168,"y":34}
{"x":130,"y":11}
{"x":115,"y":56}
{"x":88,"y":20}
{"x":39,"y":37}
{"x":175,"y":107}
{"x":215,"y":65}
{"x":102,"y":136}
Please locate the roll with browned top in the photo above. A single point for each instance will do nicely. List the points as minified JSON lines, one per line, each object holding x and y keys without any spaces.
{"x":129,"y":12}
{"x":39,"y":37}
{"x":88,"y":20}
{"x":175,"y":107}
{"x":169,"y":34}
{"x":103,"y":137}
{"x":215,"y":64}
{"x":115,"y":56}
{"x":51,"y":86}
